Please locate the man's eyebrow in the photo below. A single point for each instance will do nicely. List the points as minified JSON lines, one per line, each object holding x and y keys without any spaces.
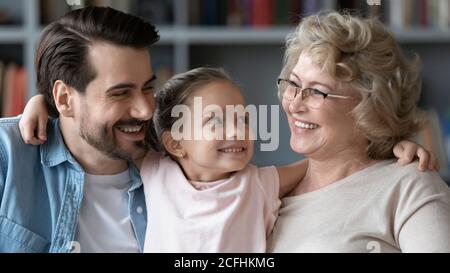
{"x":128,"y":85}
{"x":154,"y":78}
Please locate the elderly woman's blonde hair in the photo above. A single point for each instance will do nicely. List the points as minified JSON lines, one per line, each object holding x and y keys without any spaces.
{"x":361,"y":54}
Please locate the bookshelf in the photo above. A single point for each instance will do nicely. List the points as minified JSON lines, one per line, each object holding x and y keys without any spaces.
{"x":252,"y":54}
{"x":23,"y":35}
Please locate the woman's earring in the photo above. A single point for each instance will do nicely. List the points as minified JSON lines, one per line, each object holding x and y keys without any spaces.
{"x":182,"y":155}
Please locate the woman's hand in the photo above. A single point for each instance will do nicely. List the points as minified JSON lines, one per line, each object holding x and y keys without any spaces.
{"x":33,"y":124}
{"x":406,"y":151}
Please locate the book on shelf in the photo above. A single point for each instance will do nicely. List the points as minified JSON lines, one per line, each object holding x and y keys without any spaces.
{"x":310,"y":7}
{"x":5,"y":18}
{"x":13,"y":90}
{"x":10,"y":13}
{"x":194,"y":12}
{"x":281,"y":18}
{"x":257,"y":13}
{"x":122,"y":5}
{"x":426,"y":14}
{"x":209,"y":11}
{"x":158,"y":12}
{"x":262,"y":13}
{"x":266,"y":13}
{"x":399,"y":14}
{"x":8,"y":86}
{"x":52,"y":10}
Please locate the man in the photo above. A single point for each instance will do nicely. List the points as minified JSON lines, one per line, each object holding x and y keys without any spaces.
{"x":79,"y":190}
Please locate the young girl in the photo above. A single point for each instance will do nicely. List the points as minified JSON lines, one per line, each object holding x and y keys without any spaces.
{"x":213,"y":199}
{"x":202,"y":194}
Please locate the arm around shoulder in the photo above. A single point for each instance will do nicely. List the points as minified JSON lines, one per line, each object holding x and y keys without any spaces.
{"x":291,"y":175}
{"x":3,"y":163}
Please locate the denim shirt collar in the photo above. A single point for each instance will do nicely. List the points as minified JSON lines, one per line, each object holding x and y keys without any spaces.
{"x":135,"y":177}
{"x":54,"y":150}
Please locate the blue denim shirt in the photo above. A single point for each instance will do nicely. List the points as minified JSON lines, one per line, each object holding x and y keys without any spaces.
{"x":41,"y":190}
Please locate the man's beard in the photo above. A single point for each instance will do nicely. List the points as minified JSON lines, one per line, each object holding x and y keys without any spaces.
{"x":101,"y":137}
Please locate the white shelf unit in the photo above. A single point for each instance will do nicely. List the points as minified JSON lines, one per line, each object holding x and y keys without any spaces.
{"x":252,"y":55}
{"x":26,"y":35}
{"x":12,"y":35}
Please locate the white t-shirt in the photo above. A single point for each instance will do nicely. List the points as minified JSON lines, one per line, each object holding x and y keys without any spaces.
{"x":383,"y":208}
{"x":104,"y":224}
{"x":231,"y":215}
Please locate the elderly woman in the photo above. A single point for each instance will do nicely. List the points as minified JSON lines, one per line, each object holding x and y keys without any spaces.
{"x":350,"y":95}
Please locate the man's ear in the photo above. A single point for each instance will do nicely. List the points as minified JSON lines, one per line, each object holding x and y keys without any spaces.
{"x":172,"y":146}
{"x":64,"y":97}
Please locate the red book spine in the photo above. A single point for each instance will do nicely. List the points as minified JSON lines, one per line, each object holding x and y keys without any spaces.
{"x":263,"y":12}
{"x":423,"y":13}
{"x":20,"y":92}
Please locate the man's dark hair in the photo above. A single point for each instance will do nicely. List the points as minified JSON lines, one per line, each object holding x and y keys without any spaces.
{"x":63,"y":49}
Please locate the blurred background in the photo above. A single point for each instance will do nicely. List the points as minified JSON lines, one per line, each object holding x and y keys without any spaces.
{"x":246,"y":37}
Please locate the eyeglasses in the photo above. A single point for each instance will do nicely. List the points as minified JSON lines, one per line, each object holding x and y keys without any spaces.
{"x":311,"y":97}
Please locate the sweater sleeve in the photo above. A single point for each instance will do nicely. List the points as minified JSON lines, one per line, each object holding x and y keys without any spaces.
{"x":424,"y":213}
